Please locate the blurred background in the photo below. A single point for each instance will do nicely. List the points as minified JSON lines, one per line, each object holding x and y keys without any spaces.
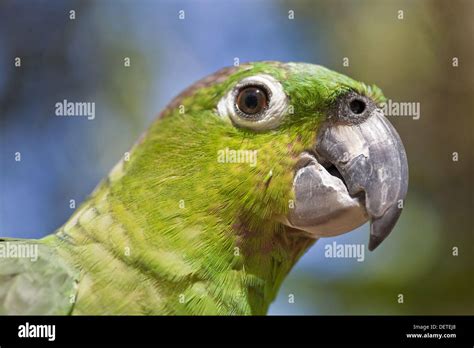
{"x":410,"y":58}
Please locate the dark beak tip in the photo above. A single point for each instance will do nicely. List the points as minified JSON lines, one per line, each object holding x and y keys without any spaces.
{"x":381,"y":227}
{"x":374,"y":242}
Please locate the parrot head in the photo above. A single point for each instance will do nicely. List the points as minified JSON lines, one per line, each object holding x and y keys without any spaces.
{"x":293,"y":144}
{"x":238,"y":177}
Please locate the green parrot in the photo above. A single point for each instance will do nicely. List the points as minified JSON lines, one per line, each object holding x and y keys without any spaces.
{"x":215,"y":203}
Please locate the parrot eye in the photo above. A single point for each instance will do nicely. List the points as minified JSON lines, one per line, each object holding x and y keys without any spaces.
{"x":252,"y":100}
{"x":257,"y":102}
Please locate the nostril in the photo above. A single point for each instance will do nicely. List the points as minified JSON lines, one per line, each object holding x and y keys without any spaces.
{"x":357,"y":106}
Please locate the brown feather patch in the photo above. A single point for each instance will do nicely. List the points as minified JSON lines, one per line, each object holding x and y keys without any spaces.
{"x":218,"y":77}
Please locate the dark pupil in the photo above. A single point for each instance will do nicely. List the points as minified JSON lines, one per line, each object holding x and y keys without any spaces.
{"x":251,"y":100}
{"x":357,"y":106}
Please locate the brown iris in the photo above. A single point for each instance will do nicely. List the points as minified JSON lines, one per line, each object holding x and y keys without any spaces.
{"x":252,"y":100}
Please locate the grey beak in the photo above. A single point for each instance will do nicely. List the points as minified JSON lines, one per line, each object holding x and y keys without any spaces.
{"x":372,"y":160}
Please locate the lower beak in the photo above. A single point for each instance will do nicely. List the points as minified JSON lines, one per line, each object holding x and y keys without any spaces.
{"x":372,"y":161}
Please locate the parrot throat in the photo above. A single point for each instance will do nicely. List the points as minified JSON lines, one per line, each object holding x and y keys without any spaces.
{"x":270,"y":254}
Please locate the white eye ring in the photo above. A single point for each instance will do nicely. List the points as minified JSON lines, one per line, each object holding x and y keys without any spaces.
{"x":270,"y":118}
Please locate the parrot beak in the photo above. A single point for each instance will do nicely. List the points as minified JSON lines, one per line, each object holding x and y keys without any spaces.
{"x":357,"y":171}
{"x":371,"y":158}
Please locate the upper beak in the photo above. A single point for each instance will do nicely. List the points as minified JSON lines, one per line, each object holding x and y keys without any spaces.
{"x":372,"y":160}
